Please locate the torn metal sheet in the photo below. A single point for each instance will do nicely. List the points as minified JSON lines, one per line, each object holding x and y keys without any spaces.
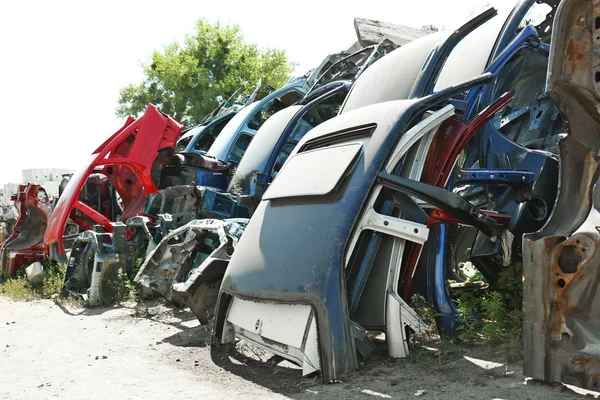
{"x":97,"y":255}
{"x":199,"y":292}
{"x":561,"y":305}
{"x":352,"y":66}
{"x":25,"y":245}
{"x":195,"y":255}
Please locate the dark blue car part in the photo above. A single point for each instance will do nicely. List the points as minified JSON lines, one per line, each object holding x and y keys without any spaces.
{"x":495,"y":151}
{"x":311,"y":270}
{"x":261,"y":165}
{"x":202,"y":141}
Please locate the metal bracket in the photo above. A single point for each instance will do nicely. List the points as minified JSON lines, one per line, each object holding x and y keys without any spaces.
{"x":393,"y":226}
{"x":445,"y":200}
{"x":493,"y":176}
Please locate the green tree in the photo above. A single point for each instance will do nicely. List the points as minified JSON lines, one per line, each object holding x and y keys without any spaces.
{"x":184,"y":80}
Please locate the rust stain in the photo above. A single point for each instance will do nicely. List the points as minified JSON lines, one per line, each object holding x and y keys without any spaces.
{"x":596,"y":8}
{"x":576,"y":53}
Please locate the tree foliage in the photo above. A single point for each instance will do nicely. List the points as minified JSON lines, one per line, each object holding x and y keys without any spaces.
{"x":184,"y":80}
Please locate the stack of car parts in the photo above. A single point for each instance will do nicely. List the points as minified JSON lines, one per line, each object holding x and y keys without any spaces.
{"x":131,"y":161}
{"x":374,"y":185}
{"x":350,"y":291}
{"x":263,"y":159}
{"x":179,"y":200}
{"x":337,"y":288}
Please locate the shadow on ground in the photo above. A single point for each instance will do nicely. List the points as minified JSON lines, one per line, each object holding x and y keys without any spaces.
{"x":433,"y":370}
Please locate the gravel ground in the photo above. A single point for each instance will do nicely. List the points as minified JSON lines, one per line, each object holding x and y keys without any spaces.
{"x":49,"y":350}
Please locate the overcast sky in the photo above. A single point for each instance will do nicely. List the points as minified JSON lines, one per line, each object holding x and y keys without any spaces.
{"x":63,"y":62}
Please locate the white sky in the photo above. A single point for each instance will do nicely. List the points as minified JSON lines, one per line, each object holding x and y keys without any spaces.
{"x":62,"y":63}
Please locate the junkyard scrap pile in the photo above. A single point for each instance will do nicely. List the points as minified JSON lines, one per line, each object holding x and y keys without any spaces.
{"x":305,"y":218}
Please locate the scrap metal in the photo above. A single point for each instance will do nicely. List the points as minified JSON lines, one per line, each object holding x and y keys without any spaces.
{"x":560,"y":262}
{"x":25,"y":245}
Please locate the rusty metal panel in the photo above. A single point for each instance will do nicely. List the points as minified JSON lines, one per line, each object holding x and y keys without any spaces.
{"x":561,"y":301}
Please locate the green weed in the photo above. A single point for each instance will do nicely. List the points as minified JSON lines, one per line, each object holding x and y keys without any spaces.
{"x":19,"y":288}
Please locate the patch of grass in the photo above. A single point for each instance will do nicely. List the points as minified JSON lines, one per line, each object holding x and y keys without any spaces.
{"x":426,"y":312}
{"x":52,"y":286}
{"x":137,"y":264}
{"x":19,"y":288}
{"x":486,"y":316}
{"x":125,"y":288}
{"x":53,"y":283}
{"x":491,"y":315}
{"x":469,"y":307}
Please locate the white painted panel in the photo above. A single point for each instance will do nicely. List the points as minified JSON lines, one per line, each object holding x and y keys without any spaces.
{"x":283,"y":323}
{"x":312,"y":361}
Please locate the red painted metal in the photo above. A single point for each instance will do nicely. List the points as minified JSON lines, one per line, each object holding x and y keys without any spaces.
{"x":25,"y":245}
{"x":128,"y":159}
{"x":442,"y":217}
{"x":449,"y":141}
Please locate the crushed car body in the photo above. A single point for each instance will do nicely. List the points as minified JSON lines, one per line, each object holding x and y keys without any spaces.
{"x":189,"y":257}
{"x":509,"y":167}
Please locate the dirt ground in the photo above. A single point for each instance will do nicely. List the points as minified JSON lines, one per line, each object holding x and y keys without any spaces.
{"x":48,"y":350}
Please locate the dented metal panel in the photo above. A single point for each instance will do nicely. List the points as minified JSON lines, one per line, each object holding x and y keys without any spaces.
{"x":289,"y":330}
